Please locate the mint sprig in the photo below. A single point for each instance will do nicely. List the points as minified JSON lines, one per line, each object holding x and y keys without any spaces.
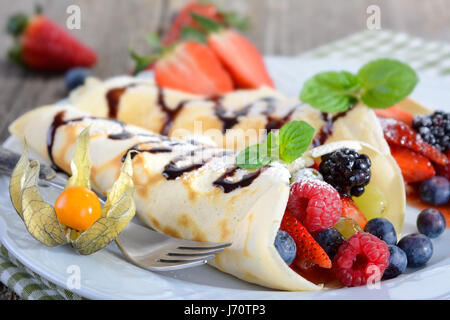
{"x":378,"y":84}
{"x":292,"y":141}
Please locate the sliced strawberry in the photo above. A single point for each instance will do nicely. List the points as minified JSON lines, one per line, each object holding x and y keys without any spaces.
{"x":239,"y":56}
{"x":192,"y":67}
{"x":45,"y":46}
{"x":396,"y":113}
{"x":351,"y":210}
{"x":444,"y":170}
{"x":414,"y":166}
{"x":400,"y":134}
{"x":307,"y":248}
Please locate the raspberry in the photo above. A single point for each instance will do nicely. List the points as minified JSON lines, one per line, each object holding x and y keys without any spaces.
{"x":361,"y":257}
{"x":315,"y":203}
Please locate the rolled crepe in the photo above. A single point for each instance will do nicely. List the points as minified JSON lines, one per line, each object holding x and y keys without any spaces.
{"x":191,"y":190}
{"x":233,"y":121}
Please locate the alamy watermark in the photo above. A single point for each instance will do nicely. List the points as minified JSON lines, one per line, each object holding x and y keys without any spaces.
{"x":74,"y":279}
{"x":373,"y":21}
{"x":73,"y":21}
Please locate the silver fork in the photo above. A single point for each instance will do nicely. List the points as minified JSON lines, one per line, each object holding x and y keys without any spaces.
{"x":157,"y":252}
{"x":142,"y":246}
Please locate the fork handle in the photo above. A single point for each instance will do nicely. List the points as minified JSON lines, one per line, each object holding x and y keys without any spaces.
{"x":9,"y":159}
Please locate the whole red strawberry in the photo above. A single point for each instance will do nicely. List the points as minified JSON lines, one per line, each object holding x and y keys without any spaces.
{"x":209,"y":9}
{"x":184,"y":19}
{"x":43,"y":45}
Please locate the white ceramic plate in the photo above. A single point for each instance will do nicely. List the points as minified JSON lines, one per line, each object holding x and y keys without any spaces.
{"x":107,"y":275}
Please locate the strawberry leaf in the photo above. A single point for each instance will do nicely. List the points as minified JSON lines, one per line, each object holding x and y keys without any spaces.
{"x":155,"y":42}
{"x":234,"y":20}
{"x":142,"y":62}
{"x":206,"y":23}
{"x":193,"y":34}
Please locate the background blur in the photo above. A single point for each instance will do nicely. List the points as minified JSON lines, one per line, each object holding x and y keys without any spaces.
{"x":278,"y":27}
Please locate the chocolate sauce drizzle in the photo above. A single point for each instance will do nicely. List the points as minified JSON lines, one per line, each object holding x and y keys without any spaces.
{"x":113,"y":98}
{"x":171,"y":170}
{"x":327,"y":129}
{"x":227,"y":185}
{"x":171,"y":114}
{"x":136,"y":148}
{"x":228,"y":118}
{"x":59,"y":121}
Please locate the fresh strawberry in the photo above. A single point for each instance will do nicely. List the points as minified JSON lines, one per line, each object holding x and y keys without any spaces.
{"x":43,"y":45}
{"x":350,"y":210}
{"x":444,"y":170}
{"x":396,"y":113}
{"x":307,"y":248}
{"x":188,"y":66}
{"x":184,"y":19}
{"x":414,"y":166}
{"x":400,"y":134}
{"x":239,"y":56}
{"x":206,"y":9}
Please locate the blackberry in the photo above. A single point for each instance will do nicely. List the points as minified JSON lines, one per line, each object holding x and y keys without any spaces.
{"x":434,"y":129}
{"x":347,"y":171}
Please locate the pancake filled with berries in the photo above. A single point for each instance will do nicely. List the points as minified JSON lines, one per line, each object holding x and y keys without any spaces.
{"x":291,"y":226}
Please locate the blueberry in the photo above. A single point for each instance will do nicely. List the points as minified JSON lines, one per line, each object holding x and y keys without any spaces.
{"x":435,"y":191}
{"x":329,"y":240}
{"x":75,"y":77}
{"x":383,"y":229}
{"x":286,"y":246}
{"x":431,"y":222}
{"x":418,"y":249}
{"x":397,"y":263}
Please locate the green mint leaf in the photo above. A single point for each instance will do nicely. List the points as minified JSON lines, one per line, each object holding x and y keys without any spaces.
{"x":331,"y":91}
{"x":272,"y":147}
{"x":193,"y":34}
{"x":386,"y":82}
{"x":206,"y":23}
{"x":253,"y":157}
{"x":294,"y":139}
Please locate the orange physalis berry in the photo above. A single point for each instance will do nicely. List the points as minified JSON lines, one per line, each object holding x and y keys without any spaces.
{"x":78,"y":208}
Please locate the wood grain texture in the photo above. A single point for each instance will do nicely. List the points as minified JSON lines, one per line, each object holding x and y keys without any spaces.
{"x":278,"y":27}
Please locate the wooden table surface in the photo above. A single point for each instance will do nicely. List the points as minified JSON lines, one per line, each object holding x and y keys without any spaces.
{"x":278,"y":27}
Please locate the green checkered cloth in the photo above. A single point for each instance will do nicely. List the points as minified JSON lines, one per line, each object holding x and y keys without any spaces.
{"x":431,"y":58}
{"x":28,"y":284}
{"x":428,"y":57}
